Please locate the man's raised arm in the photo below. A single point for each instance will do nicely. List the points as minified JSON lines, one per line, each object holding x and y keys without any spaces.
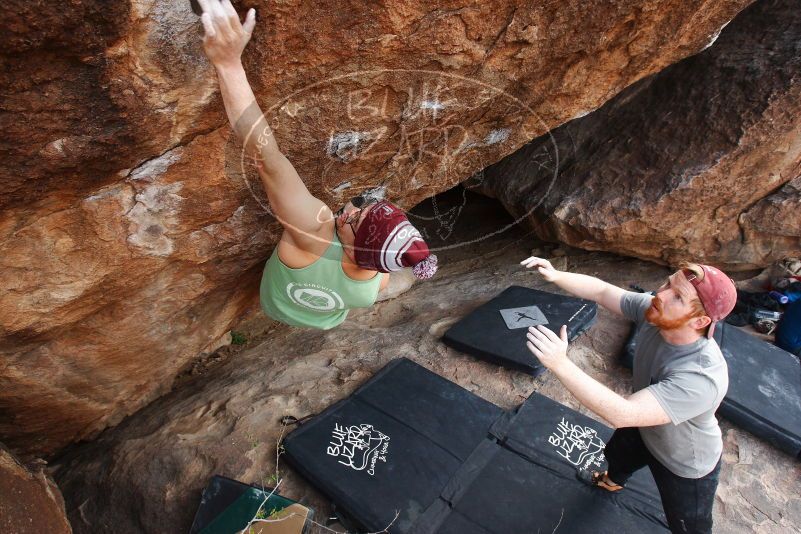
{"x":580,"y":285}
{"x":224,"y":40}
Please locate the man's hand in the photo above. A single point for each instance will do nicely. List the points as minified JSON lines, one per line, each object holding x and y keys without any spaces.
{"x":225,"y":36}
{"x":549,"y":348}
{"x":543,"y":266}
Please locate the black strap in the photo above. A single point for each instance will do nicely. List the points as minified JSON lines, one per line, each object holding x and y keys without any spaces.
{"x":290,"y":420}
{"x":343,"y":518}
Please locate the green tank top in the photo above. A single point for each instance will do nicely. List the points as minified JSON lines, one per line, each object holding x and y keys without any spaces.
{"x":317,"y":296}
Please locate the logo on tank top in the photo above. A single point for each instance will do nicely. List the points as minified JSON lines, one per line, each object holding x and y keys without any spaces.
{"x":314,"y":297}
{"x":359,"y":447}
{"x":579,"y":445}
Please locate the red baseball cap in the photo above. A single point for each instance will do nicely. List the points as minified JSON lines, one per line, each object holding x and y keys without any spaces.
{"x":716,"y":292}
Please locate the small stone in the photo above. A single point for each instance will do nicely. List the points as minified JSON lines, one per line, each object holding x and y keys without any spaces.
{"x":439,"y":328}
{"x":399,"y":283}
{"x":222,"y":341}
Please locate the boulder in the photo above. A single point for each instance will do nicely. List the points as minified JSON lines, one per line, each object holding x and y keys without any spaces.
{"x":772,"y":226}
{"x":132,"y":230}
{"x":30,"y":502}
{"x":700,"y":162}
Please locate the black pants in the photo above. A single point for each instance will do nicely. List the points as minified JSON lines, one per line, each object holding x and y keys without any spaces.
{"x":687,"y":501}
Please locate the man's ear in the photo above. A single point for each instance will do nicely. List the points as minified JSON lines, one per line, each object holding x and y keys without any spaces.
{"x":700,"y":322}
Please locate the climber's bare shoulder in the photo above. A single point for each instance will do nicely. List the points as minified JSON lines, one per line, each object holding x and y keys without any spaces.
{"x":308,"y":222}
{"x":298,"y":253}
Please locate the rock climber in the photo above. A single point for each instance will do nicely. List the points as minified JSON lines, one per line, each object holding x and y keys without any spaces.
{"x":325,"y":264}
{"x":679,"y":379}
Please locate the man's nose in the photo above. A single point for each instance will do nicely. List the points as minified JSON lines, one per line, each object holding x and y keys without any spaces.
{"x":660,"y":294}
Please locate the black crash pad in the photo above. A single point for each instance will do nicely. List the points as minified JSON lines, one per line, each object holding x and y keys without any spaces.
{"x":563,"y":440}
{"x":486,"y":334}
{"x":764,"y":394}
{"x":449,"y":462}
{"x":227,"y":506}
{"x":531,"y":464}
{"x":392,"y":445}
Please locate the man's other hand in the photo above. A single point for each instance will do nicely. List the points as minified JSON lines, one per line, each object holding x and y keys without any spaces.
{"x":543,"y":266}
{"x":225,"y":36}
{"x":549,"y":348}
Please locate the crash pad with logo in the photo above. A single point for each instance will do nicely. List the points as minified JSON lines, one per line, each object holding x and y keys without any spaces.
{"x":392,"y":445}
{"x":496,"y":330}
{"x":412,"y":452}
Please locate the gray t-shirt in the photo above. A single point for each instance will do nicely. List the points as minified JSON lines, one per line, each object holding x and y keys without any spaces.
{"x":689,"y":381}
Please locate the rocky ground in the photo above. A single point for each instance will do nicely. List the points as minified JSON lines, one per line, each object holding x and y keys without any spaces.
{"x":146,"y":475}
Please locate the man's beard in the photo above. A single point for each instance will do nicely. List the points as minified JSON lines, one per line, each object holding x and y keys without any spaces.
{"x":654,"y":316}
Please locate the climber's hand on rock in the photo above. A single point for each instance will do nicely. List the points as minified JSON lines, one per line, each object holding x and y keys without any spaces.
{"x":543,"y":266}
{"x":225,"y":36}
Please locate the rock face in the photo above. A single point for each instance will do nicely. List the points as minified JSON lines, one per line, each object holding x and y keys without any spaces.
{"x":131,"y":231}
{"x":699,"y":162}
{"x":772,"y":226}
{"x":30,"y":503}
{"x":146,"y":475}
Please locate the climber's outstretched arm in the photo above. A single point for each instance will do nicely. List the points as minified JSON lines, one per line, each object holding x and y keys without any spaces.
{"x":301,"y":214}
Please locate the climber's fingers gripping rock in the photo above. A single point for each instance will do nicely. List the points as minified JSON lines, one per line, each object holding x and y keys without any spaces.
{"x":225,"y":35}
